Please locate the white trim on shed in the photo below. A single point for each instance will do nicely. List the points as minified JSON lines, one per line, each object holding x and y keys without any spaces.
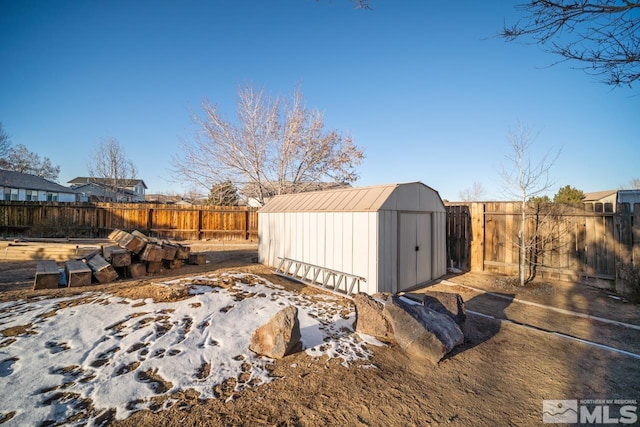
{"x":392,"y":235}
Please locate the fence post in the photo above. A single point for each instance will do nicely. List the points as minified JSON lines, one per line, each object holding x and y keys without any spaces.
{"x":624,"y":247}
{"x":246,"y":224}
{"x":149,"y":220}
{"x":635,"y":252}
{"x":477,"y":236}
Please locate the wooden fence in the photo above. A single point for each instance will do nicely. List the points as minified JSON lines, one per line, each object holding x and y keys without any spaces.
{"x":50,"y":219}
{"x":591,"y":243}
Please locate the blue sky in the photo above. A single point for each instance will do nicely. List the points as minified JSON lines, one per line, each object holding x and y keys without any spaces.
{"x":422,"y":86}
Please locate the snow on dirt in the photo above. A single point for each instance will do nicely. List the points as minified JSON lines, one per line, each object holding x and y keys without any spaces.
{"x":93,"y":357}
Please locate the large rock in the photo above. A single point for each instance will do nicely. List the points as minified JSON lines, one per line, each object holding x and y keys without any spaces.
{"x":369,"y":318}
{"x":279,"y":336}
{"x":423,"y":333}
{"x":447,"y":303}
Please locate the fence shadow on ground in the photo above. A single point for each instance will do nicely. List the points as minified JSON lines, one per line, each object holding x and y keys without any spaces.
{"x":478,"y":328}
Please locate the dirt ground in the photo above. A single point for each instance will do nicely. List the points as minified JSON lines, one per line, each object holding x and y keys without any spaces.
{"x":500,"y":375}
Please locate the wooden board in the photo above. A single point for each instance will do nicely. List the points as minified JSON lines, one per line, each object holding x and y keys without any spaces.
{"x":136,"y":244}
{"x":78,"y":273}
{"x":47,"y":275}
{"x":152,"y":253}
{"x":197,"y":259}
{"x":59,"y":252}
{"x":169,"y":251}
{"x":117,"y":256}
{"x":137,"y":270}
{"x":154,"y":267}
{"x":102,"y":270}
{"x":107,"y":250}
{"x":172,"y":264}
{"x":183,"y":252}
{"x":121,"y":258}
{"x":140,"y":235}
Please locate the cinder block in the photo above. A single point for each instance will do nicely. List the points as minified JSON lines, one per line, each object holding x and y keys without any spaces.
{"x":102,"y":270}
{"x":137,"y":270}
{"x":47,"y":275}
{"x":183,"y":252}
{"x":169,"y":251}
{"x":172,"y":264}
{"x":78,"y":273}
{"x":197,"y":259}
{"x":154,"y":267}
{"x":152,"y":253}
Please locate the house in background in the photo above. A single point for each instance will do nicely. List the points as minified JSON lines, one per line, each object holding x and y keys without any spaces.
{"x":99,"y":189}
{"x":629,"y":196}
{"x":607,"y":196}
{"x":17,"y":186}
{"x":614,"y":197}
{"x":167,"y":199}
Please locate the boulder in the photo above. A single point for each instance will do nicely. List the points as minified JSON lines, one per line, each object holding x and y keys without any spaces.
{"x":423,"y":333}
{"x":279,"y":336}
{"x":369,"y":318}
{"x":447,"y":303}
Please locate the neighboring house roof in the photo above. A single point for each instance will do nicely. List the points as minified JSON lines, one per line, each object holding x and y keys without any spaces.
{"x":98,"y":190}
{"x":350,"y":199}
{"x":105,"y":181}
{"x":597,"y":195}
{"x":162,"y":198}
{"x":31,"y":182}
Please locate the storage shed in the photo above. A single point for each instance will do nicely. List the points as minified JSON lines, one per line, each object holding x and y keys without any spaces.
{"x":392,"y":236}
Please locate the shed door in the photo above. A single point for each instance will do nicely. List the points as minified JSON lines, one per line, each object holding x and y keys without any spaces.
{"x":414,"y":257}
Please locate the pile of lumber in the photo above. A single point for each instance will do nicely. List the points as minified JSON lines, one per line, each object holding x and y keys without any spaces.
{"x":131,"y":255}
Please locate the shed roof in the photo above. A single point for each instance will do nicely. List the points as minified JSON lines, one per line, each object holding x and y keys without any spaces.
{"x":350,"y":199}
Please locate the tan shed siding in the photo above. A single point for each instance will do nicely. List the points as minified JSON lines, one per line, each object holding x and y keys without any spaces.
{"x":347,"y":250}
{"x":321,"y":226}
{"x":364,"y":250}
{"x":344,"y":241}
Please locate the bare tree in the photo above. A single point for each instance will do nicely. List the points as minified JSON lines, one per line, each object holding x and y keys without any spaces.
{"x":601,"y":36}
{"x":523,"y":180}
{"x":472,"y":194}
{"x":634,"y":184}
{"x":360,"y":4}
{"x":5,"y":145}
{"x":20,"y":159}
{"x":277,"y":146}
{"x":111,"y":166}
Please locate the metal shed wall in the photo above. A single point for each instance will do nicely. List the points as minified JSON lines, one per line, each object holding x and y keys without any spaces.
{"x":351,"y":230}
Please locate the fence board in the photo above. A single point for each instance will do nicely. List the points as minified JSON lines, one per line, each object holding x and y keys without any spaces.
{"x":50,"y":219}
{"x":587,"y":242}
{"x":478,"y":232}
{"x":635,"y":252}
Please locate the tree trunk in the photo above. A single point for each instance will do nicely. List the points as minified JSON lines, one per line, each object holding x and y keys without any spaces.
{"x":523,"y":249}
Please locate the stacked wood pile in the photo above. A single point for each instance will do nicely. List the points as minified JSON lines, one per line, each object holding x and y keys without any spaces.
{"x":132,"y":255}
